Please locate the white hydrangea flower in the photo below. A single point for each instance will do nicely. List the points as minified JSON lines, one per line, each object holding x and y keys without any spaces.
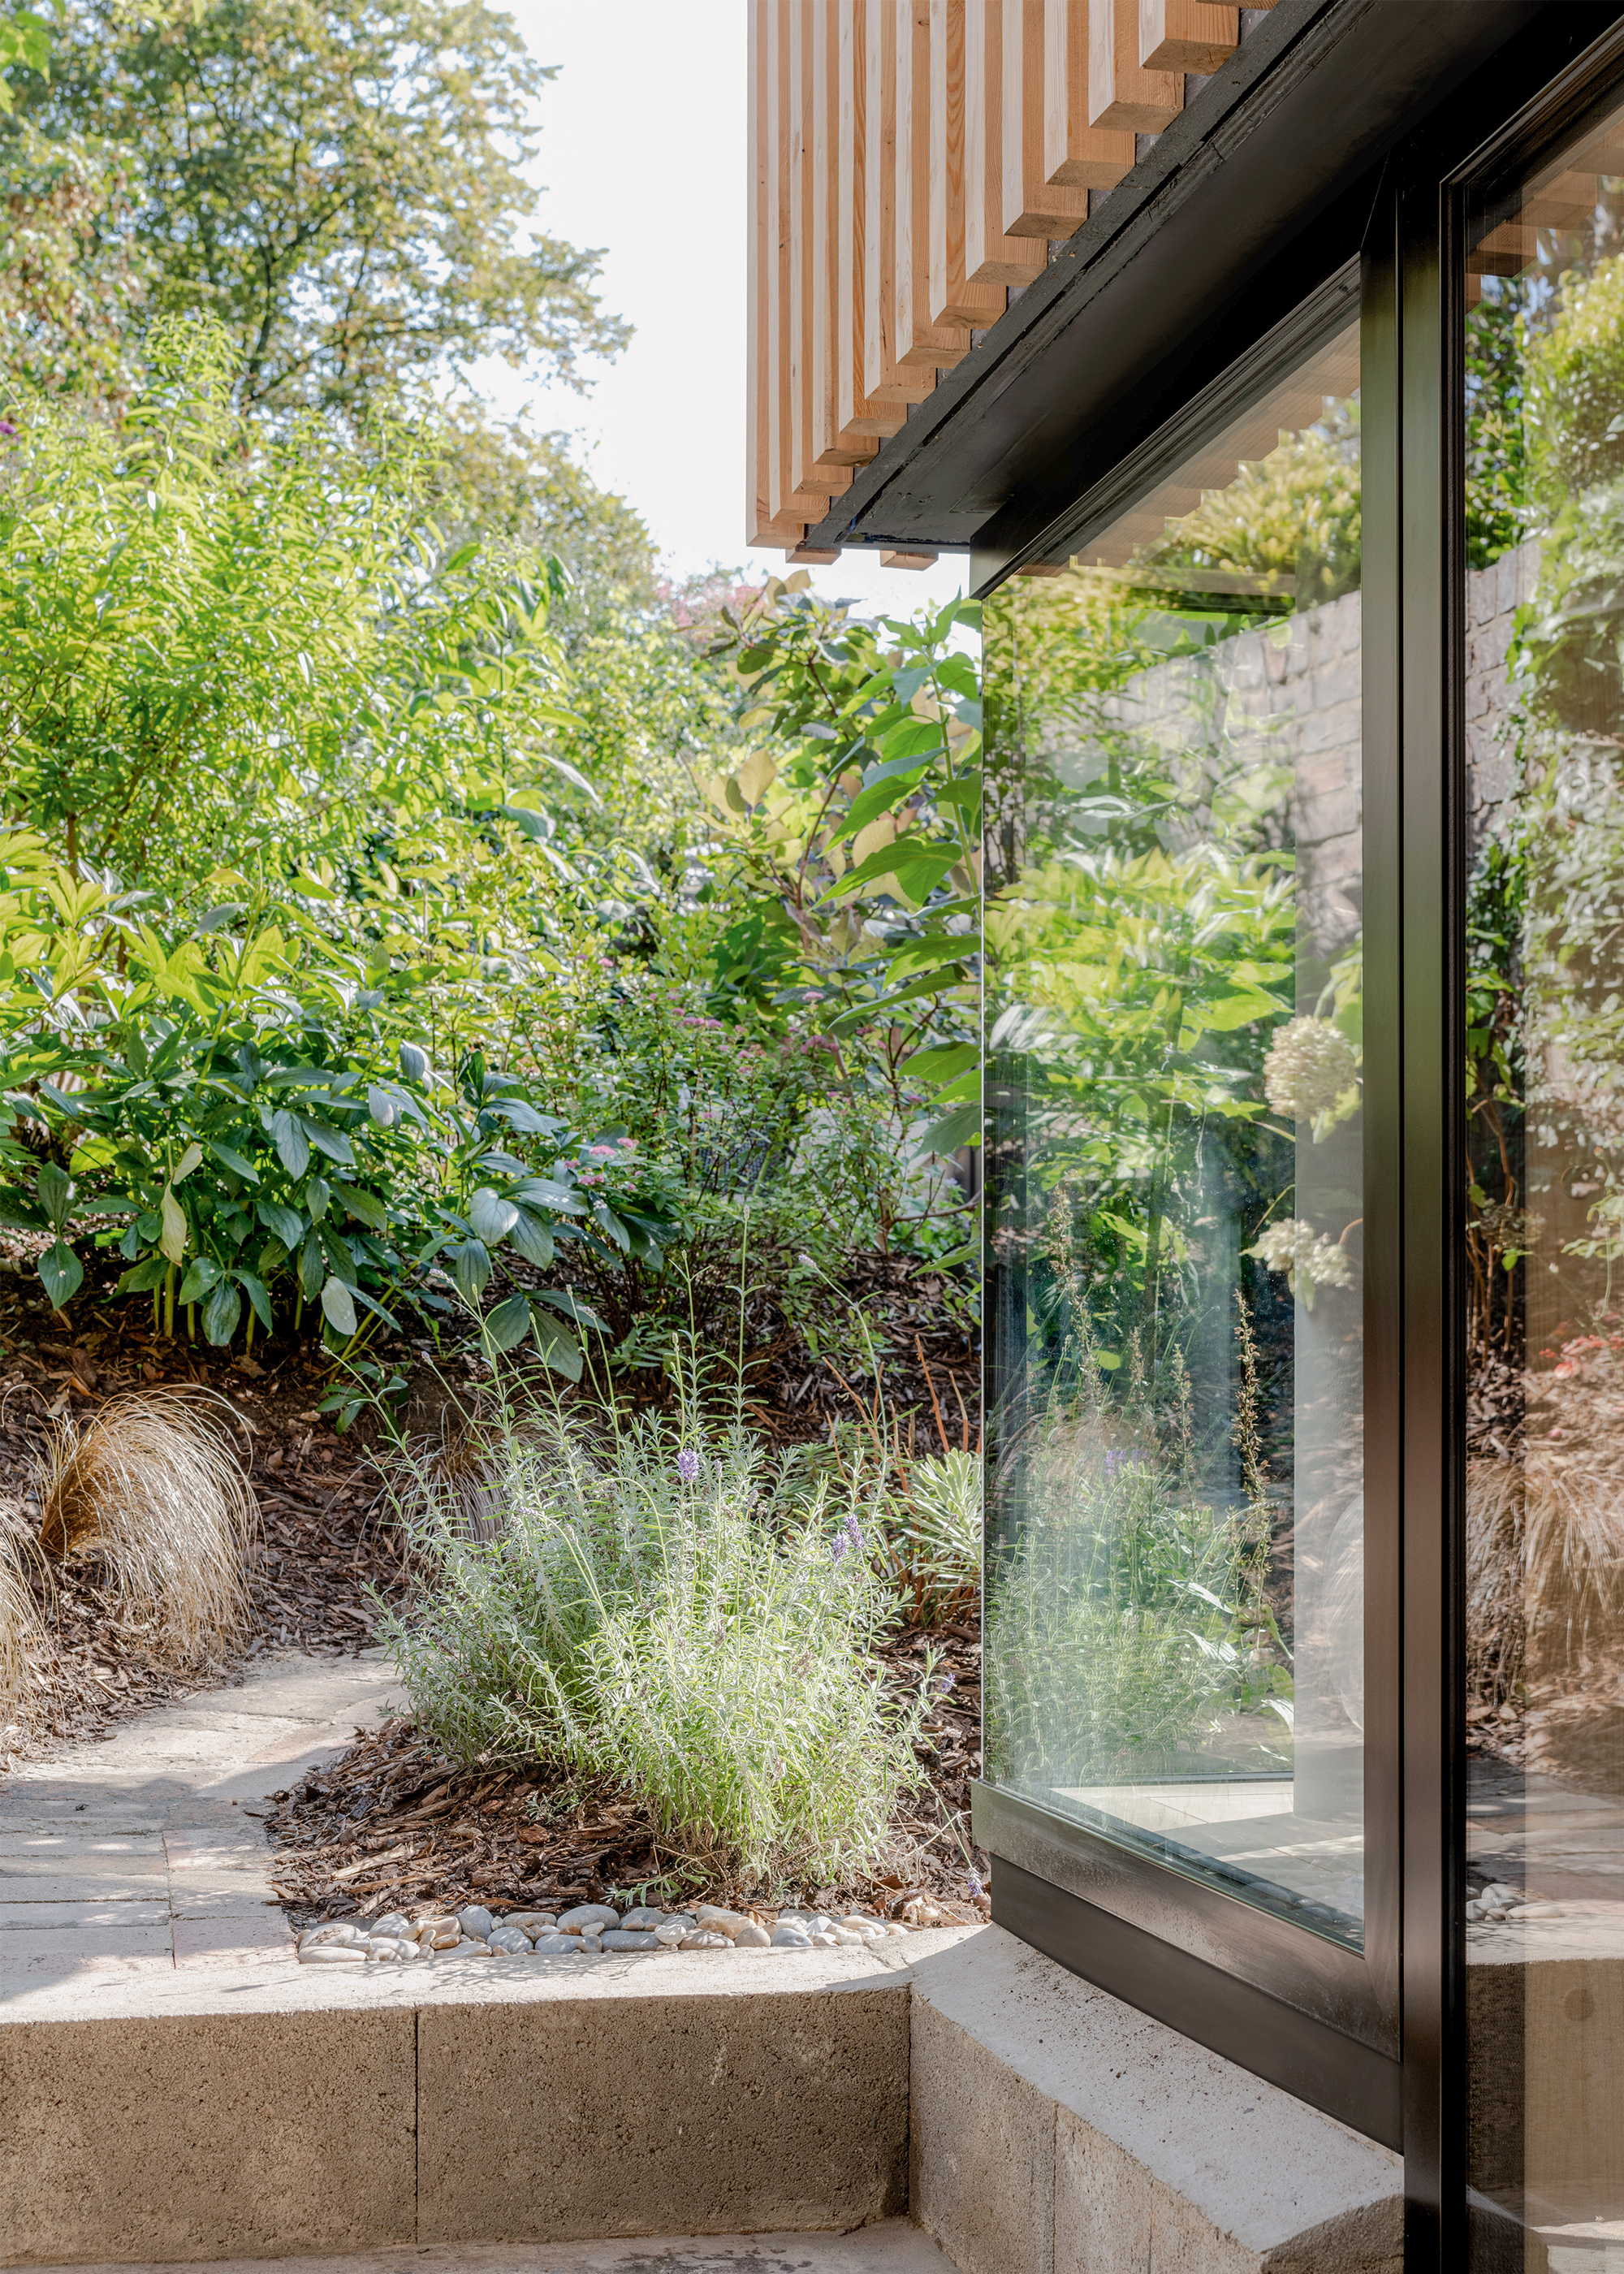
{"x":1305,"y":1254}
{"x":1310,"y":1068}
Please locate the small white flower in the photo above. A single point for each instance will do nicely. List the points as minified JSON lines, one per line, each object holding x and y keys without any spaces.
{"x":1310,"y":1068}
{"x":1300,"y":1251}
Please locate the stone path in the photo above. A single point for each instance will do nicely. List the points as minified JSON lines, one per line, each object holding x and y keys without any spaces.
{"x":891,"y":2246}
{"x":136,"y":1853}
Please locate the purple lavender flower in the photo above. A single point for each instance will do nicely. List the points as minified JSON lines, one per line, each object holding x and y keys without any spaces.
{"x":838,"y":1547}
{"x":687,"y":1466}
{"x":854,"y":1538}
{"x":974,"y":1887}
{"x":949,"y":1681}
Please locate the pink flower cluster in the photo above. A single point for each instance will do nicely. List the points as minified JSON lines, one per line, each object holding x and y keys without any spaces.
{"x":617,"y":1151}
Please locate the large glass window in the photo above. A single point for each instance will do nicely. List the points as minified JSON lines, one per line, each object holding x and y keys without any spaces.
{"x":1544,"y":1303}
{"x":1174,"y":1640}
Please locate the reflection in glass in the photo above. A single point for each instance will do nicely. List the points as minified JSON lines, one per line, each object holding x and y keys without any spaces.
{"x":1544,"y":1322}
{"x":1175,"y":1576}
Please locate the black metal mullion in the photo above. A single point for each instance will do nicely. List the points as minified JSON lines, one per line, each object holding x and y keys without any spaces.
{"x":1431,"y":1042}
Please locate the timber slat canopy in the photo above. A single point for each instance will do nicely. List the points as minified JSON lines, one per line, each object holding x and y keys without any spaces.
{"x":911,"y":162}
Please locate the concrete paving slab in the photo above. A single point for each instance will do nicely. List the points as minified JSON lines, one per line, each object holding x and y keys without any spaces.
{"x":87,"y":1916}
{"x":75,"y":1843}
{"x":236,"y":1941}
{"x":83,"y":1886}
{"x":22,"y":1944}
{"x":889,"y":2246}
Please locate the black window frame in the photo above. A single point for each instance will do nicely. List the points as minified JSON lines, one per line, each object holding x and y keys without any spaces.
{"x":1379,"y":2040}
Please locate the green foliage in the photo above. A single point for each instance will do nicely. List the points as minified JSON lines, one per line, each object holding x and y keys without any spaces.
{"x":855,"y":840}
{"x":1126,"y":1617}
{"x":24,"y":40}
{"x":931,"y":1538}
{"x":1496,"y":450}
{"x":258,"y":1123}
{"x":1289,"y":523}
{"x":211,"y":647}
{"x":654,"y":1606}
{"x":343,"y":187}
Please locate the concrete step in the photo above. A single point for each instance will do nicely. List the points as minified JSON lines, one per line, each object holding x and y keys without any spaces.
{"x":890,"y":2247}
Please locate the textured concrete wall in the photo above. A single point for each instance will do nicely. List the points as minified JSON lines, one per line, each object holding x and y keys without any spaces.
{"x":1055,"y":2129}
{"x":207,"y":2134}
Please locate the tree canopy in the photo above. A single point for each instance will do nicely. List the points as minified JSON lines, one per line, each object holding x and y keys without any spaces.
{"x":342,"y":186}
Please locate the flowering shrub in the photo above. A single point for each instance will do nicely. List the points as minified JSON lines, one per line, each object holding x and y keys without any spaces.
{"x":1310,"y":1258}
{"x":1310,"y":1072}
{"x":673,"y":1619}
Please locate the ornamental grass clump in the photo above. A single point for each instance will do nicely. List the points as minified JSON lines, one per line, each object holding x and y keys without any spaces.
{"x":21,"y":1635}
{"x":151,"y":1487}
{"x":657,"y":1608}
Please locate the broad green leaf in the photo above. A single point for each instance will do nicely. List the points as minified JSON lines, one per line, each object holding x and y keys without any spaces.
{"x":332,"y":1142}
{"x":881,"y":796}
{"x":384,"y":1109}
{"x":312,"y":1265}
{"x":172,"y":1231}
{"x":470,"y":1267}
{"x":292,"y":1145}
{"x":531,"y":1239}
{"x":142,"y":1277}
{"x":558,"y":1346}
{"x":366,"y":1207}
{"x":942,"y":1063}
{"x":414,"y":1062}
{"x":508,"y":1323}
{"x":961,"y":1126}
{"x":566,"y":1299}
{"x":202,"y":1274}
{"x":187,"y":1163}
{"x":238,"y":1165}
{"x":608,"y":1222}
{"x":221,"y":1312}
{"x":492,"y":1216}
{"x":259,"y":1294}
{"x":338,"y":1307}
{"x":62,"y":1273}
{"x":55,"y":1187}
{"x":318,"y":1192}
{"x":286,"y":1222}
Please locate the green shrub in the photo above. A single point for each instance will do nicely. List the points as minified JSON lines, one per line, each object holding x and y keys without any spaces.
{"x":260,"y":1135}
{"x":654,"y":1606}
{"x":932,"y":1538}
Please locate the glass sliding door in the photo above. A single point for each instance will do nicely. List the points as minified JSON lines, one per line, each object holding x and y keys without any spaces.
{"x":1543,"y":1060}
{"x":1174,"y":1577}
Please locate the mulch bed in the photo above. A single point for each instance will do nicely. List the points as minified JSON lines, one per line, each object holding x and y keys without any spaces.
{"x":324,"y":1538}
{"x":391,"y":1825}
{"x":500,"y":1832}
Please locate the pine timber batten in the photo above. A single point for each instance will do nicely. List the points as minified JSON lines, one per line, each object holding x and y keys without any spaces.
{"x":761,"y":527}
{"x":919,"y":344}
{"x":911,"y":161}
{"x":990,"y":256}
{"x":1200,"y":247}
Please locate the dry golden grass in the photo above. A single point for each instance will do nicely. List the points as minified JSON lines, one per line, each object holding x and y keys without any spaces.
{"x":153,"y":1487}
{"x":21,"y":1632}
{"x":1545,"y":1572}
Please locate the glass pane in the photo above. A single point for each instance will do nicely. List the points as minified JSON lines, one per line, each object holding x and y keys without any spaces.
{"x":1174,"y":1644}
{"x":1544,"y":1318}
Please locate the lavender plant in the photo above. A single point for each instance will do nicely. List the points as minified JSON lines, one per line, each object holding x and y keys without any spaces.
{"x":655,"y":1604}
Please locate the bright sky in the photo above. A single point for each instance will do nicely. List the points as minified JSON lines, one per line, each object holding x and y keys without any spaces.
{"x":643,"y":152}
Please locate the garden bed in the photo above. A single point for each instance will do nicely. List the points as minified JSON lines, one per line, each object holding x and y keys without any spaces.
{"x":392,"y":1825}
{"x":324,"y":1542}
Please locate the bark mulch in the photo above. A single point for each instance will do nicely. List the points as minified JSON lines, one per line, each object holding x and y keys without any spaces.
{"x":324,"y":1538}
{"x":392,"y":1825}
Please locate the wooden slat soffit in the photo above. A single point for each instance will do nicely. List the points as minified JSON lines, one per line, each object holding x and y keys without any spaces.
{"x":910,"y":162}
